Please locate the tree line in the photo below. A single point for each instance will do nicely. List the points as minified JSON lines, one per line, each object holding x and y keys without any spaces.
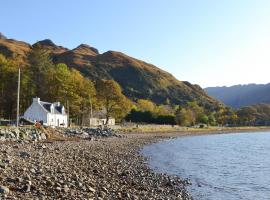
{"x":40,"y":77}
{"x":51,"y":82}
{"x":192,"y":114}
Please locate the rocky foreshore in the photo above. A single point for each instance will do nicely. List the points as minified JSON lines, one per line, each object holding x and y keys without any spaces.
{"x":22,"y":133}
{"x":33,"y":134}
{"x":85,"y":132}
{"x":106,"y":168}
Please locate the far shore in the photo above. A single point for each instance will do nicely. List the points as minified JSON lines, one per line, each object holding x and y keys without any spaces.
{"x":180,"y":131}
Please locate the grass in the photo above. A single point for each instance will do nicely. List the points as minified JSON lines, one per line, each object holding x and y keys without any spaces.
{"x":167,"y":128}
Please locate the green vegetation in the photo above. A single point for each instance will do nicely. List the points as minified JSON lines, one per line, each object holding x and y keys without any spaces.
{"x":126,"y":88}
{"x":192,"y":114}
{"x":56,"y":83}
{"x":138,"y":79}
{"x":110,"y":95}
{"x":255,"y":115}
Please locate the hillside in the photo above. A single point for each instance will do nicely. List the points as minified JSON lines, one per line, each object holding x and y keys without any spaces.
{"x":137,"y":78}
{"x":241,"y":95}
{"x":258,"y":114}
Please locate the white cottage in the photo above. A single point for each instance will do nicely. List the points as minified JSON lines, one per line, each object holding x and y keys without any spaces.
{"x":50,"y":114}
{"x":98,"y":119}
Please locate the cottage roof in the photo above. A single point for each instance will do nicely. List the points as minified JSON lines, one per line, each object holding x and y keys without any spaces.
{"x":47,"y":106}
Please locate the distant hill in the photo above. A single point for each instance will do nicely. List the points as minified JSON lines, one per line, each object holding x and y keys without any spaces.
{"x":241,"y":95}
{"x":137,"y":78}
{"x":258,"y":114}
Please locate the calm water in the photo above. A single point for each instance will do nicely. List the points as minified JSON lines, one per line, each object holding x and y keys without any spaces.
{"x":227,"y":166}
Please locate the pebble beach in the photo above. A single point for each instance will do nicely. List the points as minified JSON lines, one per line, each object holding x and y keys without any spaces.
{"x":101,"y":168}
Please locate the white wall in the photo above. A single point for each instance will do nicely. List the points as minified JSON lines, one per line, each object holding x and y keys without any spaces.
{"x":98,"y":122}
{"x":36,"y":113}
{"x":57,"y":120}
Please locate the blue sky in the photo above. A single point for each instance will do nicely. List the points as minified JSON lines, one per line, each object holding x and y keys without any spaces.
{"x":207,"y":42}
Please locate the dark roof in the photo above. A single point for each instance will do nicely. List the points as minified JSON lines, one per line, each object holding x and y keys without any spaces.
{"x":47,"y":106}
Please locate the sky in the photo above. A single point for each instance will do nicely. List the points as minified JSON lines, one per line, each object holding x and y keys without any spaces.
{"x":205,"y":42}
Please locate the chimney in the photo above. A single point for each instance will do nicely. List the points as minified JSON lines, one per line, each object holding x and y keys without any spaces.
{"x":36,"y":99}
{"x":56,"y":104}
{"x":63,"y":110}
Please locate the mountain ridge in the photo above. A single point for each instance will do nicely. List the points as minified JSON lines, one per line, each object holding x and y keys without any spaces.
{"x":137,"y":78}
{"x":241,"y":95}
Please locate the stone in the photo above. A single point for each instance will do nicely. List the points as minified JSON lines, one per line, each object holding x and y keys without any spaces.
{"x":65,"y":189}
{"x":92,"y":189}
{"x":4,"y":189}
{"x":24,"y":154}
{"x":18,"y":179}
{"x":27,"y":188}
{"x":3,"y":165}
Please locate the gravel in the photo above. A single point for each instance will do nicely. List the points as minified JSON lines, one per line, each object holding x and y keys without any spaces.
{"x":105,"y":168}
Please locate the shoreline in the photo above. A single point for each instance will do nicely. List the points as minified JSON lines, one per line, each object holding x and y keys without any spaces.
{"x":104,"y":168}
{"x":187,"y":130}
{"x":174,"y":135}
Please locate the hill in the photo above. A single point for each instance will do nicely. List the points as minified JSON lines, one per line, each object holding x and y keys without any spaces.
{"x":241,"y":95}
{"x":258,"y":114}
{"x":137,"y":78}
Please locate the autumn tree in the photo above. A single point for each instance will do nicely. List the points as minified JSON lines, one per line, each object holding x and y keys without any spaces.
{"x":40,"y":64}
{"x":69,"y":86}
{"x":184,"y":117}
{"x":146,"y":105}
{"x":164,"y":110}
{"x":8,"y":85}
{"x":109,"y":93}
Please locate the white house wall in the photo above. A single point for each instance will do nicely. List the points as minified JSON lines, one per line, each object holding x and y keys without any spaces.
{"x":53,"y":119}
{"x":36,"y":113}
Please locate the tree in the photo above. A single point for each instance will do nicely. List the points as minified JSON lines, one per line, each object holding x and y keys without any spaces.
{"x":247,"y":115}
{"x":70,"y":86}
{"x":40,"y":65}
{"x":164,"y":110}
{"x":195,"y":111}
{"x":109,"y":93}
{"x":184,"y":117}
{"x":140,"y":116}
{"x":203,"y":118}
{"x":8,"y":85}
{"x":212,"y":119}
{"x":146,"y":105}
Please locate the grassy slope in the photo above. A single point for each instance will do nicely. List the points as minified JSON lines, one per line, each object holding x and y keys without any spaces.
{"x":137,"y":78}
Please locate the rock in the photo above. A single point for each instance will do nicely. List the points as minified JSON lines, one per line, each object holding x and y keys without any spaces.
{"x":92,"y":190}
{"x":4,"y":189}
{"x":21,"y":134}
{"x":65,"y":189}
{"x":80,"y":169}
{"x":2,"y":36}
{"x":3,"y":165}
{"x":24,"y":154}
{"x":18,"y":179}
{"x":26,"y":188}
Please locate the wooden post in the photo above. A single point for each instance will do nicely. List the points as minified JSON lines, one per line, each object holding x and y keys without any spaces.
{"x":18,"y":98}
{"x":91,"y":111}
{"x":68,"y":114}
